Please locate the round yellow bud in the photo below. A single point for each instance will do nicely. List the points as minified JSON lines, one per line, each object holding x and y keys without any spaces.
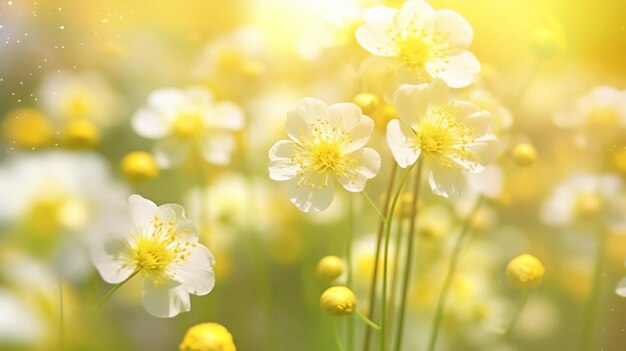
{"x":525,"y":271}
{"x":405,"y":205}
{"x":80,"y":133}
{"x":27,"y":128}
{"x":207,"y":337}
{"x":338,"y":301}
{"x":618,"y":161}
{"x":524,"y":154}
{"x":544,"y":43}
{"x":329,"y":267}
{"x":367,"y":102}
{"x":139,"y":166}
{"x":383,"y":115}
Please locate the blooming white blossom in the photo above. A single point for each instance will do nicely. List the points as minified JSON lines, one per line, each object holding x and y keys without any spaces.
{"x":586,"y":197}
{"x":449,"y":136}
{"x":184,"y":119}
{"x":162,"y":245}
{"x":419,"y":44}
{"x":595,"y":117}
{"x":327,"y":144}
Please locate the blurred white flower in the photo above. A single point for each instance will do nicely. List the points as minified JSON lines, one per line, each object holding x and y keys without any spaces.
{"x":585,"y":197}
{"x":327,"y":144}
{"x":162,"y":245}
{"x":187,"y":119}
{"x":87,"y":96}
{"x":420,"y":44}
{"x":450,"y":136}
{"x":596,"y":117}
{"x":337,"y":29}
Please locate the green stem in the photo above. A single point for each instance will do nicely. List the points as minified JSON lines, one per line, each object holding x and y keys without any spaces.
{"x":373,"y":206}
{"x":408,"y":263}
{"x":518,"y":311}
{"x":379,"y":237}
{"x":61,"y":316}
{"x":591,"y":309}
{"x":350,"y":343}
{"x":389,"y":220}
{"x":367,"y":320}
{"x":443,"y":296}
{"x":114,"y":289}
{"x":394,"y":275}
{"x":337,"y":336}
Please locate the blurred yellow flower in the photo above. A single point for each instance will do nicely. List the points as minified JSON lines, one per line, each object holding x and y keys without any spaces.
{"x":208,"y":337}
{"x":27,"y":128}
{"x":139,"y":166}
{"x":525,"y":271}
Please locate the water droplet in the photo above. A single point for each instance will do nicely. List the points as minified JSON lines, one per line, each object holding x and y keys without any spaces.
{"x":61,"y":27}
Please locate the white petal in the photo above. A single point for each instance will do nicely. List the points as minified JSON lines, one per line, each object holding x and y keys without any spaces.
{"x":446,"y":182}
{"x":315,"y":196}
{"x":281,"y":166}
{"x":171,"y":152}
{"x":373,"y":36}
{"x":104,"y":255}
{"x":489,"y":182}
{"x":360,"y":134}
{"x":198,"y":96}
{"x":415,"y":13}
{"x":167,"y":101}
{"x":297,"y":125}
{"x":217,"y":147}
{"x":460,"y":70}
{"x":558,"y":210}
{"x":367,"y":168}
{"x":485,"y":148}
{"x":411,"y":102}
{"x":224,"y":115}
{"x":470,"y":114}
{"x":344,"y":115}
{"x":197,"y":273}
{"x":401,"y":140}
{"x":149,"y":124}
{"x":457,"y":31}
{"x":621,"y":288}
{"x":166,"y":300}
{"x":142,"y":211}
{"x":312,"y":109}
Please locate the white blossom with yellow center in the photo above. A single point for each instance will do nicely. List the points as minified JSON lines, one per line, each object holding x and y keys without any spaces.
{"x":162,"y":245}
{"x":420,"y":44}
{"x":449,"y":136}
{"x":327,"y":144}
{"x":186,"y":119}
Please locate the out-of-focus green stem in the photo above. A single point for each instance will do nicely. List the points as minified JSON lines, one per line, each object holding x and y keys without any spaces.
{"x":518,"y":311}
{"x":443,"y":296}
{"x":350,"y":235}
{"x":590,"y":315}
{"x":373,"y":206}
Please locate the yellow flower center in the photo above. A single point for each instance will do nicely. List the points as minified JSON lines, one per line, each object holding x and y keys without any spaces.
{"x":229,"y":59}
{"x":442,"y":138}
{"x":78,"y":104}
{"x":588,"y":204}
{"x":417,"y":47}
{"x":602,"y":117}
{"x":414,"y":51}
{"x":187,"y":125}
{"x":321,"y":150}
{"x":155,"y":251}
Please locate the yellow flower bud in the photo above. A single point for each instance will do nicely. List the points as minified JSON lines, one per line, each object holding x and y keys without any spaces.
{"x":524,"y":154}
{"x":329,"y":267}
{"x":80,"y":133}
{"x":367,"y":102}
{"x":338,"y":301}
{"x":525,"y":271}
{"x":383,"y":115}
{"x":207,"y":337}
{"x":27,"y":128}
{"x":544,"y":43}
{"x":139,"y":166}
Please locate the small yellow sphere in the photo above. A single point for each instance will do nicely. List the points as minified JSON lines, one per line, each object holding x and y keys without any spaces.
{"x":367,"y":102}
{"x":329,"y":268}
{"x":80,"y":133}
{"x":544,"y":43}
{"x":524,"y":154}
{"x":525,"y":271}
{"x":27,"y":128}
{"x":207,"y":337}
{"x":338,"y":301}
{"x":139,"y":166}
{"x":383,"y":115}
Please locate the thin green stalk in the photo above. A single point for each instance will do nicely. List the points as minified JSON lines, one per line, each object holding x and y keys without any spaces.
{"x":61,"y":316}
{"x":373,"y":206}
{"x":392,"y":209}
{"x":518,"y":311}
{"x":590,"y":316}
{"x":350,"y":343}
{"x":114,"y":289}
{"x":379,"y":237}
{"x":337,"y":336}
{"x":443,"y":296}
{"x":394,"y":275}
{"x":367,"y":321}
{"x":408,"y":263}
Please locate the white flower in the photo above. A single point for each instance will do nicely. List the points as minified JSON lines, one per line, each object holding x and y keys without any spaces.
{"x":449,"y":136}
{"x":87,"y":95}
{"x":585,"y":197}
{"x":162,"y":245}
{"x":421,"y":43}
{"x":596,"y":117}
{"x":184,"y":119}
{"x":327,"y":144}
